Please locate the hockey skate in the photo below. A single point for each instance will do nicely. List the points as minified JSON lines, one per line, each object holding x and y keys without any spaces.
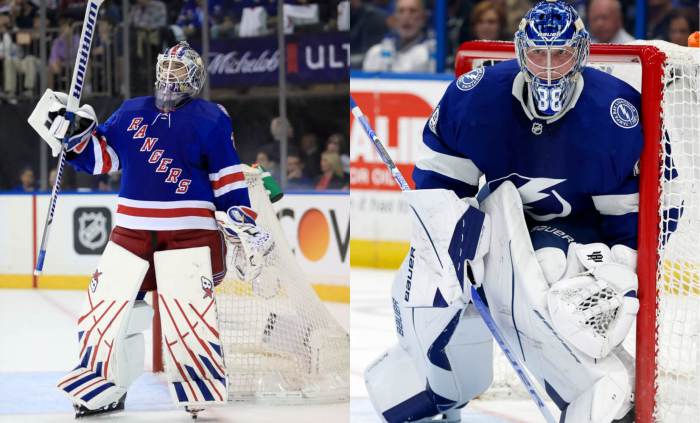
{"x":82,"y":411}
{"x":450,"y":416}
{"x":194,"y":411}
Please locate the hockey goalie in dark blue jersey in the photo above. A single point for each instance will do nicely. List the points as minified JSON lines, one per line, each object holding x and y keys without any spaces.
{"x":179,"y":167}
{"x":551,"y":243}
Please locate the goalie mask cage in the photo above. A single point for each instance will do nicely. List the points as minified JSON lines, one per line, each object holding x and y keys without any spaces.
{"x":668,"y":324}
{"x":281,"y":345}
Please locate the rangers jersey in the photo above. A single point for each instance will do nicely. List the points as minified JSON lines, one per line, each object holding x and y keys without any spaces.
{"x":178,"y":168}
{"x":576,"y":170}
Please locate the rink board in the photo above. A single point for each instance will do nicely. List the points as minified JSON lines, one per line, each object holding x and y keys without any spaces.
{"x":397,"y":106}
{"x":317,"y":227}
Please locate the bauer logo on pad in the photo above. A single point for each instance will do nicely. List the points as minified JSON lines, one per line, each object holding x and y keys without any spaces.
{"x":91,"y":228}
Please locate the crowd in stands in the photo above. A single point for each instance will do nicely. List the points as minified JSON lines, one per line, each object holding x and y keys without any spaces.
{"x":309,"y":167}
{"x":153,"y":23}
{"x":399,"y":36}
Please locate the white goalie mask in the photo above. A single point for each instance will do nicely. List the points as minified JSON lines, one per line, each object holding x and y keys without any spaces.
{"x":180,"y":75}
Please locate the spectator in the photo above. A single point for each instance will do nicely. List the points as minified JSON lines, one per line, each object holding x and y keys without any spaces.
{"x":343,"y":22}
{"x":682,"y":23}
{"x":332,"y":175}
{"x":148,"y":17}
{"x":253,"y":22}
{"x":311,"y":154}
{"x":27,"y":182}
{"x":15,"y":61}
{"x":295,"y":173}
{"x":191,"y":18}
{"x":368,"y":26}
{"x":658,"y":19}
{"x":73,"y":9}
{"x":24,"y":13}
{"x":304,"y":13}
{"x":268,"y":158}
{"x":63,"y":50}
{"x":488,"y":21}
{"x":605,"y":22}
{"x":224,"y":29}
{"x":336,"y":144}
{"x":407,"y":49}
{"x":52,"y":178}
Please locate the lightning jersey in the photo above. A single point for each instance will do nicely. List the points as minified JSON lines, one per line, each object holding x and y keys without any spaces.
{"x":178,"y":168}
{"x":575,"y":172}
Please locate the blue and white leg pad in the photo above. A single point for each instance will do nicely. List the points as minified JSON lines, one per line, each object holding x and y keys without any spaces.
{"x":195,"y":364}
{"x":109,"y":331}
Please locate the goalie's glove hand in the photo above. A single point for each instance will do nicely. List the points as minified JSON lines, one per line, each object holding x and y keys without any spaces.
{"x":594,"y":306}
{"x":49,"y":120}
{"x":252,"y":245}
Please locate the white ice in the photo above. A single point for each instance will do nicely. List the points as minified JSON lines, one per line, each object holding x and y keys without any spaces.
{"x":38,"y":344}
{"x":372,"y":332}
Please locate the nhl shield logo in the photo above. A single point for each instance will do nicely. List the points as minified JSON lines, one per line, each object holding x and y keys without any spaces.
{"x":91,"y":227}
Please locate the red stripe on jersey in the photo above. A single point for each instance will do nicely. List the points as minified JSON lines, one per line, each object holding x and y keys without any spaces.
{"x":179,"y":212}
{"x":225,"y":180}
{"x":250,"y":212}
{"x":106,"y":159}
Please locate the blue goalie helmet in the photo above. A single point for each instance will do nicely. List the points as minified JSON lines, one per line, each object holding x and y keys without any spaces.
{"x":552,"y":46}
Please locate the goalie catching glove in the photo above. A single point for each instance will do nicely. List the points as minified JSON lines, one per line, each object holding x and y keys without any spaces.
{"x":252,"y":246}
{"x":594,"y":306}
{"x":49,"y":120}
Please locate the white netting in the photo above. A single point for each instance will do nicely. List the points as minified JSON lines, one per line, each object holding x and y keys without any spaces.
{"x":281,"y":345}
{"x":678,"y":280}
{"x":678,"y":312}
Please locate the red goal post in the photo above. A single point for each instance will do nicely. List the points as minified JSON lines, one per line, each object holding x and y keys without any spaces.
{"x":654,"y":62}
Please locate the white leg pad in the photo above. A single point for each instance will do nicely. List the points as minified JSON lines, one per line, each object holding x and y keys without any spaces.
{"x":130,"y":353}
{"x":193,"y":351}
{"x":102,"y":330}
{"x":607,"y":399}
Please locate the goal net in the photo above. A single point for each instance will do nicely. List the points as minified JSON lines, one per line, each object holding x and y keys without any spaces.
{"x":281,"y":345}
{"x":667,"y":341}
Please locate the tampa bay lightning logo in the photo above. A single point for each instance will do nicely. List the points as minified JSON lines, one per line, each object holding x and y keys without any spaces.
{"x":432,"y":123}
{"x":540,"y":200}
{"x":624,"y":114}
{"x":469,"y":80}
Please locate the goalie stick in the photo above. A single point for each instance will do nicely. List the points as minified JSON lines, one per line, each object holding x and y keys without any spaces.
{"x":479,"y":303}
{"x":76,"y":89}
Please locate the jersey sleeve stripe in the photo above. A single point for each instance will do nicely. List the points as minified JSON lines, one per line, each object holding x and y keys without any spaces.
{"x":179,"y":212}
{"x":97,"y":152}
{"x":616,"y":205}
{"x":225,"y":171}
{"x":228,"y":179}
{"x":457,"y":168}
{"x":230,"y":187}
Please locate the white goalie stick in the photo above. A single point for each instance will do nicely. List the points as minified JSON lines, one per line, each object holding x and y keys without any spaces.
{"x":76,"y":89}
{"x":479,"y":303}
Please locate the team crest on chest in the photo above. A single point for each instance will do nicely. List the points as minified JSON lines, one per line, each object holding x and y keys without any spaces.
{"x":470,"y":79}
{"x":624,"y":114}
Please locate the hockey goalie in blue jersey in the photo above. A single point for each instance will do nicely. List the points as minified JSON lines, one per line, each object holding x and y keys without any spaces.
{"x":179,"y":167}
{"x":552,"y":248}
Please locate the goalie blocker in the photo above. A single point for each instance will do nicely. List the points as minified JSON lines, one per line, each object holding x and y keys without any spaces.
{"x":447,"y":348}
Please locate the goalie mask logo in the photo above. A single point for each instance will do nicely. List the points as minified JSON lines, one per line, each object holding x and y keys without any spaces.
{"x":470,"y":79}
{"x":538,"y":196}
{"x":624,"y":114}
{"x":91,"y":227}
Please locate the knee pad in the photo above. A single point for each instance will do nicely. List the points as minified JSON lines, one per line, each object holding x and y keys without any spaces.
{"x":130,"y":352}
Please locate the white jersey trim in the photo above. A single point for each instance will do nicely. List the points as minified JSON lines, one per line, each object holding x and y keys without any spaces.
{"x":169,"y":223}
{"x":166,"y":204}
{"x":225,"y":171}
{"x":230,"y":187}
{"x":97,"y":152}
{"x":458,"y":168}
{"x":616,"y":205}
